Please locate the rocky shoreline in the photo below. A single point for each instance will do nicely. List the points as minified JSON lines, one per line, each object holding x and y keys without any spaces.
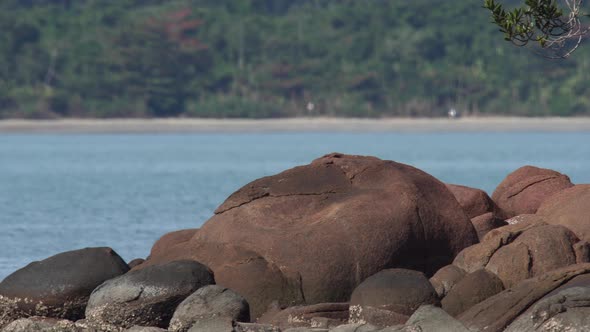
{"x":346,"y":243}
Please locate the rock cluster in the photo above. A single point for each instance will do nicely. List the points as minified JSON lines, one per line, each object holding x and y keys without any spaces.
{"x":346,"y":243}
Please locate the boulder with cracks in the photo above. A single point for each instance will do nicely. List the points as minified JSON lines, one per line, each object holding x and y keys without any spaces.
{"x":311,"y":234}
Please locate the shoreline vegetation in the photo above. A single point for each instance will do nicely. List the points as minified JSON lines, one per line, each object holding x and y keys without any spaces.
{"x":324,"y":124}
{"x":274,"y":59}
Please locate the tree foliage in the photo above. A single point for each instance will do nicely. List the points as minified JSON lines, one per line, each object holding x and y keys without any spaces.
{"x":542,"y":21}
{"x":271,"y":58}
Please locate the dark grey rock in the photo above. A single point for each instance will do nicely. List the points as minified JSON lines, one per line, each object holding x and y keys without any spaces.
{"x":41,"y":324}
{"x":324,"y":315}
{"x":58,"y":286}
{"x":471,"y":290}
{"x":147,"y":297}
{"x":375,"y":316}
{"x":138,"y":328}
{"x":213,"y":324}
{"x":91,"y":326}
{"x":356,"y":327}
{"x":253,"y":327}
{"x":390,"y":296}
{"x":306,"y":329}
{"x":209,"y":301}
{"x":429,"y":318}
{"x":497,"y":312}
{"x":400,"y":328}
{"x":566,"y":310}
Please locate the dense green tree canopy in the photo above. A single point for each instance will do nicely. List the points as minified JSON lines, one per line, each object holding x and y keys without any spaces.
{"x":271,"y":58}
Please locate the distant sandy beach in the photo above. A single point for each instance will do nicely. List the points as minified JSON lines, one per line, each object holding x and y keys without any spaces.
{"x":180,"y":125}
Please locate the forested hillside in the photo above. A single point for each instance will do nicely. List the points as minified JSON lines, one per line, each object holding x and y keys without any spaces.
{"x":270,"y":58}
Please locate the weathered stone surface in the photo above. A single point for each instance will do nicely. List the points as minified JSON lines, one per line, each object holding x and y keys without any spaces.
{"x":521,"y":218}
{"x":390,"y":296}
{"x":445,"y":278}
{"x":138,"y":328}
{"x":358,"y":327}
{"x":135,"y":262}
{"x":484,"y":223}
{"x":474,"y":202}
{"x":93,"y":326}
{"x":362,"y":214}
{"x":474,"y":288}
{"x":308,"y":316}
{"x":41,"y":324}
{"x":400,"y":328}
{"x":569,"y":208}
{"x":498,"y":311}
{"x":567,"y":310}
{"x":58,"y":286}
{"x":147,"y":297}
{"x":231,"y":261}
{"x":254,"y":327}
{"x":523,"y":190}
{"x":520,"y":251}
{"x":534,"y":252}
{"x":375,"y":316}
{"x":429,"y":318}
{"x":209,"y":301}
{"x":213,"y":324}
{"x":306,"y":329}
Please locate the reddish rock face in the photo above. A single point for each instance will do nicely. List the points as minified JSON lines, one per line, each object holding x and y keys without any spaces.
{"x":498,"y":311}
{"x":523,"y":190}
{"x":173,"y":238}
{"x":311,"y":234}
{"x":446,"y":278}
{"x":570,"y":208}
{"x":523,"y":250}
{"x":474,"y":202}
{"x":485,"y":223}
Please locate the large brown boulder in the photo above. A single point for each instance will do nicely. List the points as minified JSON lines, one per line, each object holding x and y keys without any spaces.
{"x":474,"y":202}
{"x":523,"y":190}
{"x":498,"y":311}
{"x":569,"y":208}
{"x":311,"y":234}
{"x":523,"y":250}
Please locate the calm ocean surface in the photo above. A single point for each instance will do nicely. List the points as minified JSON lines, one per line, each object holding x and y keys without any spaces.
{"x":64,"y":192}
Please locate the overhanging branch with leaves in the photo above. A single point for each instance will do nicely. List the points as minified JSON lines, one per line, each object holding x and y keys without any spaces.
{"x":556,"y":28}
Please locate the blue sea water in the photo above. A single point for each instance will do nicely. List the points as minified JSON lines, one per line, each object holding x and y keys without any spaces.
{"x":64,"y":192}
